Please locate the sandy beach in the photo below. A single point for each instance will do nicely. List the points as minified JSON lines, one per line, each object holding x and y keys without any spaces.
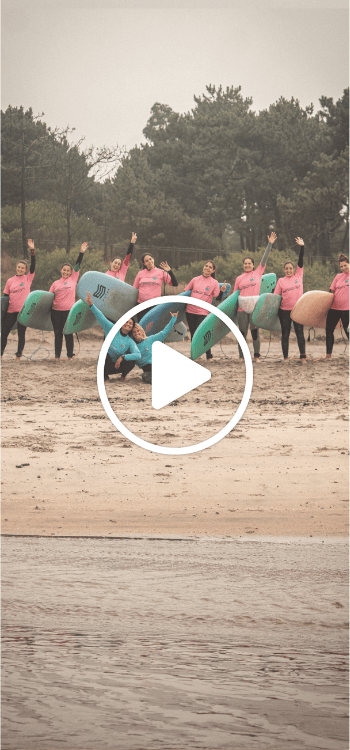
{"x":282,"y":471}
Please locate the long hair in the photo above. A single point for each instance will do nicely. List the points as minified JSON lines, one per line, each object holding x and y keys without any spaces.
{"x":116,"y":258}
{"x":213,"y":275}
{"x":143,"y":256}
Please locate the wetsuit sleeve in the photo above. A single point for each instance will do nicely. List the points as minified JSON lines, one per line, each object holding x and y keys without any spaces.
{"x":134,"y":352}
{"x":103,"y":321}
{"x":164,"y":333}
{"x":125,"y":264}
{"x":78,"y":261}
{"x":32,"y":264}
{"x":301,"y":256}
{"x":264,"y":259}
{"x":173,"y":279}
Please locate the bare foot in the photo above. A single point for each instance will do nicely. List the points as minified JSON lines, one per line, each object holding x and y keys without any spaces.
{"x":328,"y":356}
{"x":303,"y":361}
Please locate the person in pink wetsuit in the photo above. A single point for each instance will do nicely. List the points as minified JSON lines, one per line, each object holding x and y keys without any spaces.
{"x":150,"y":279}
{"x":64,"y":291}
{"x":248,"y":284}
{"x":203,"y":287}
{"x":17,"y":289}
{"x":340,"y":307}
{"x":118,"y":267}
{"x":290,"y":288}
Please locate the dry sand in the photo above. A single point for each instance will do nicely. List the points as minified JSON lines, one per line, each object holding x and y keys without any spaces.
{"x":282,"y":471}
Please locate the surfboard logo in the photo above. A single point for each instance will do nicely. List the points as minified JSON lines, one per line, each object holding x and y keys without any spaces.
{"x":100,"y":292}
{"x":77,"y":318}
{"x":206,"y":338}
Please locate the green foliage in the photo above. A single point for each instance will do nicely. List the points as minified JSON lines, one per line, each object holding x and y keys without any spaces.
{"x":317,"y":276}
{"x":46,"y":224}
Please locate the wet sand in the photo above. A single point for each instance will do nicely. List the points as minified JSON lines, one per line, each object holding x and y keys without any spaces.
{"x":282,"y":471}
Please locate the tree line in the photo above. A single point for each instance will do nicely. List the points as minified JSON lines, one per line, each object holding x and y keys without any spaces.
{"x":210,"y":182}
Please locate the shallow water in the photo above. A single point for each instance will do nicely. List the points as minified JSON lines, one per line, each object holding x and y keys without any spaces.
{"x":208,"y":643}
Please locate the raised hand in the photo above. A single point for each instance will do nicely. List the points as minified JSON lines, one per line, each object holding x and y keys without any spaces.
{"x":31,"y":247}
{"x":165,"y":266}
{"x":84,"y":247}
{"x":224,"y":286}
{"x":133,"y":237}
{"x":299,"y":241}
{"x":272,"y":238}
{"x":174,"y":314}
{"x":88,"y":299}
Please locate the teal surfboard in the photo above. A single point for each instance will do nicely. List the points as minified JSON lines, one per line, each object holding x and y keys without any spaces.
{"x":268,"y":283}
{"x":36,"y":311}
{"x":80,"y":318}
{"x":112,"y":296}
{"x":4,"y":307}
{"x":156,"y":319}
{"x":265,"y":314}
{"x":212,"y":329}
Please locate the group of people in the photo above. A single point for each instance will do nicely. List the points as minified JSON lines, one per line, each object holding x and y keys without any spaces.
{"x":131,"y":346}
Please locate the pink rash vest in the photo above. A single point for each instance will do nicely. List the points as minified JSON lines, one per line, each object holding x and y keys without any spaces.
{"x":64,"y":291}
{"x":340,"y":287}
{"x":18,"y":288}
{"x":202,"y":288}
{"x":290,"y":288}
{"x":249,"y":283}
{"x":149,"y":283}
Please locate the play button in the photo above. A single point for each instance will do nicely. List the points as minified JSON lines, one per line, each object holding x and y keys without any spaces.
{"x":173,"y":375}
{"x":175,"y":379}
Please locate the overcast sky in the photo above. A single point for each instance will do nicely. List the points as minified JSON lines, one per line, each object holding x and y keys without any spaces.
{"x":100,"y":65}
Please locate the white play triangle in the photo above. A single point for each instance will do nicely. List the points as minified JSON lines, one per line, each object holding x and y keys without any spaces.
{"x":173,"y":375}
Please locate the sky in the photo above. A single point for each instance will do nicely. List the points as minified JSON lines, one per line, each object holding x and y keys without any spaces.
{"x":100,"y":65}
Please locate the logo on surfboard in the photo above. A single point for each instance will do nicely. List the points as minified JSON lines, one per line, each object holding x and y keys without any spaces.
{"x":100,"y":291}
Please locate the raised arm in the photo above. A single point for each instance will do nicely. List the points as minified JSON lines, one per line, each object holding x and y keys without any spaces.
{"x":165,"y":267}
{"x":103,"y":321}
{"x":80,"y":256}
{"x":270,"y":241}
{"x":300,"y":242}
{"x":32,"y":256}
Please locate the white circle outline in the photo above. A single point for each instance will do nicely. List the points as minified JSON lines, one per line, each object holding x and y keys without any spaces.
{"x":188,"y":448}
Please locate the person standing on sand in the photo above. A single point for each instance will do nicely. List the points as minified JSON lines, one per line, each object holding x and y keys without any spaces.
{"x":248,"y":284}
{"x":203,"y":287}
{"x":291,"y":289}
{"x":150,"y":279}
{"x":17,"y":289}
{"x":340,"y":307}
{"x":118,"y":267}
{"x":64,"y":291}
{"x":123,"y":351}
{"x":144,"y":344}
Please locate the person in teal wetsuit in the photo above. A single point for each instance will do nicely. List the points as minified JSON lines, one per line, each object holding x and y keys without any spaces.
{"x":123,"y":352}
{"x":144,"y":344}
